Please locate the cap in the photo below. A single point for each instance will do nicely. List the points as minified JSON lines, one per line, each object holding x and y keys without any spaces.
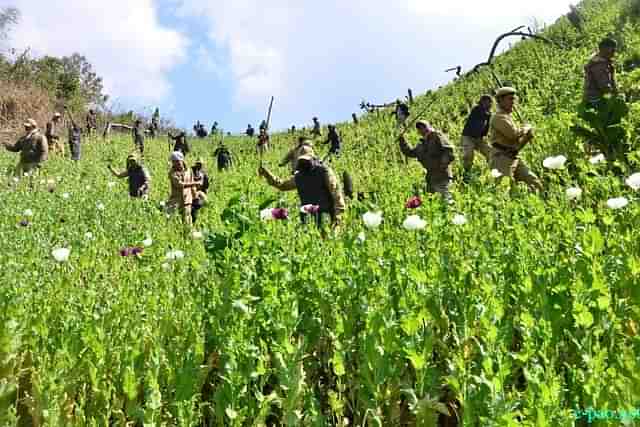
{"x":306,"y":156}
{"x":507,"y":90}
{"x":424,"y":123}
{"x":199,"y":161}
{"x":30,"y":123}
{"x":56,"y":115}
{"x":176,"y":156}
{"x":608,"y":42}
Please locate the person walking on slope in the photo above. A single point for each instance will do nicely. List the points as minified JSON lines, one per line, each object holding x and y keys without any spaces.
{"x":507,"y":139}
{"x":475,"y":130}
{"x":91,"y":121}
{"x":223,"y":157}
{"x":250,"y":131}
{"x":333,"y":138}
{"x":75,"y":137}
{"x":155,"y":123}
{"x":599,"y":73}
{"x":180,"y":142}
{"x":316,"y":128}
{"x":317,"y":187}
{"x":435,"y":153}
{"x":200,"y":196}
{"x":52,"y":134}
{"x":263,"y":141}
{"x":137,"y":175}
{"x":183,"y":188}
{"x":302,"y":148}
{"x":33,"y":149}
{"x":138,"y":136}
{"x":401,"y":113}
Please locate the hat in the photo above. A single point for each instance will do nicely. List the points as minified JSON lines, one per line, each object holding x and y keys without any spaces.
{"x":425,"y":124}
{"x":507,"y":90}
{"x":306,"y":156}
{"x":306,"y":151}
{"x":199,"y":161}
{"x":176,"y":156}
{"x":30,"y":123}
{"x":608,"y":42}
{"x":56,"y":115}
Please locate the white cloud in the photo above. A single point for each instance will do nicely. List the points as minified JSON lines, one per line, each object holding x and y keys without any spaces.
{"x":324,"y":57}
{"x":123,"y":40}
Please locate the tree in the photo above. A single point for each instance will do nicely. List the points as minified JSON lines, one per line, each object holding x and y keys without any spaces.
{"x":8,"y":16}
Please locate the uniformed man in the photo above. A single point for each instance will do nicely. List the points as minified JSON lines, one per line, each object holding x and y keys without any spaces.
{"x":599,"y":74}
{"x":475,"y":130}
{"x":52,"y":132}
{"x":316,"y":128}
{"x":183,"y":187}
{"x":214,"y":128}
{"x":75,"y":137}
{"x":223,"y":157}
{"x":250,"y":131}
{"x":435,"y":153}
{"x":263,"y":125}
{"x":33,"y":149}
{"x":180,"y":142}
{"x":200,"y":196}
{"x":302,"y":148}
{"x":507,"y":139}
{"x":91,"y":122}
{"x":317,"y":186}
{"x":334,"y":139}
{"x":138,"y":136}
{"x":137,"y":175}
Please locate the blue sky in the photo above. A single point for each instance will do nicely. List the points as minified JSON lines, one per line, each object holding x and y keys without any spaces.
{"x":214,"y":60}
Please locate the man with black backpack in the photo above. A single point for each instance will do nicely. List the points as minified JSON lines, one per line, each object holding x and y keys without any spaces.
{"x":317,"y":187}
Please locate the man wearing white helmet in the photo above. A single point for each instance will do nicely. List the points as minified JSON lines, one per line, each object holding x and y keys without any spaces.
{"x":183,"y":187}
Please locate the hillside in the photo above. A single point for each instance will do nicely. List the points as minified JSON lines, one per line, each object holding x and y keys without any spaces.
{"x":518,"y":317}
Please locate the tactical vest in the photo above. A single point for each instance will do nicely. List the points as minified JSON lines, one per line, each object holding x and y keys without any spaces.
{"x":312,"y":187}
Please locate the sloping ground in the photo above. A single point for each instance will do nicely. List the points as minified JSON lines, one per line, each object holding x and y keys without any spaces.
{"x":18,"y":103}
{"x":518,"y":317}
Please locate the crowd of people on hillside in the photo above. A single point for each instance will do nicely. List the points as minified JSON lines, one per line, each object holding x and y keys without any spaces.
{"x":495,"y":136}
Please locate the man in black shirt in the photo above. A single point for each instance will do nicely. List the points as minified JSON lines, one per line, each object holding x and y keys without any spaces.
{"x":475,"y":130}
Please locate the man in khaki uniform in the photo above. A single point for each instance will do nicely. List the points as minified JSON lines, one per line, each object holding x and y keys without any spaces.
{"x":33,"y":148}
{"x":435,"y":153}
{"x":316,"y":184}
{"x":507,"y":139}
{"x":51,"y":133}
{"x":302,"y":148}
{"x":475,"y":129}
{"x":599,"y":74}
{"x":183,"y":187}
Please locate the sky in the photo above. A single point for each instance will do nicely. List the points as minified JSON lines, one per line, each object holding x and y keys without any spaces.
{"x":213,"y":60}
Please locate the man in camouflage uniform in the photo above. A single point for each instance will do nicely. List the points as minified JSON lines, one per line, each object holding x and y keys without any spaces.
{"x":507,"y":139}
{"x":599,"y":74}
{"x":51,"y":133}
{"x":180,"y":142}
{"x":155,"y":123}
{"x":183,"y":188}
{"x":401,"y":113}
{"x":302,"y":148}
{"x":475,"y":129}
{"x":316,"y":184}
{"x":33,"y":149}
{"x":263,"y":141}
{"x":138,"y":136}
{"x":435,"y":153}
{"x":316,"y":127}
{"x":334,"y":139}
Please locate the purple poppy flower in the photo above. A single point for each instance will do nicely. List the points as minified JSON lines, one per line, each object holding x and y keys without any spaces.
{"x":310,"y":209}
{"x":125,"y":252}
{"x":413,"y":202}
{"x":280,"y":213}
{"x":136,"y":251}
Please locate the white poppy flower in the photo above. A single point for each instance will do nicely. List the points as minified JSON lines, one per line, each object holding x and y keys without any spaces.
{"x":240,"y":305}
{"x":88,"y":187}
{"x":16,"y":180}
{"x":495,"y":173}
{"x":66,"y":195}
{"x":554,"y":162}
{"x":174,"y":255}
{"x":61,"y":254}
{"x":166,"y":266}
{"x":573,"y":193}
{"x":634,"y":181}
{"x":100,"y":206}
{"x":197,"y":235}
{"x":597,"y":159}
{"x":147,"y":242}
{"x":266,"y":214}
{"x":27,"y":212}
{"x":362,"y":237}
{"x":372,"y":219}
{"x":88,"y":235}
{"x":111,"y":184}
{"x":414,"y":222}
{"x":459,"y":219}
{"x":162,"y":204}
{"x":617,"y":203}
